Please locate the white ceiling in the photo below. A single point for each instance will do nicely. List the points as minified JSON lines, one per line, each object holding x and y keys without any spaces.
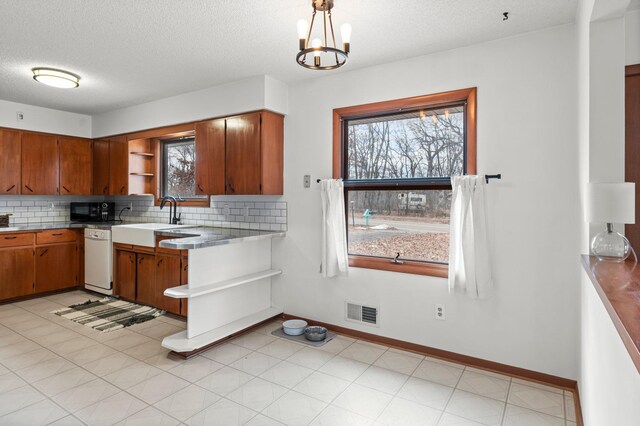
{"x":133,"y":51}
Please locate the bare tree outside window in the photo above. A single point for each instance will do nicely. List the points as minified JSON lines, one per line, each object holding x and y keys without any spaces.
{"x":180,"y":168}
{"x":403,"y":152}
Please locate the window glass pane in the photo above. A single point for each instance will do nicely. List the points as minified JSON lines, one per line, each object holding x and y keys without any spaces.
{"x":418,"y":144}
{"x":180,"y":169}
{"x":414,"y":223}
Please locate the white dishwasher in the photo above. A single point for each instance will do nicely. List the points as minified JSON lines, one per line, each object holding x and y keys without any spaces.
{"x":98,"y":265}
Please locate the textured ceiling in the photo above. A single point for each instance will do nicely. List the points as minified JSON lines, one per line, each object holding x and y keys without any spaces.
{"x":133,"y":51}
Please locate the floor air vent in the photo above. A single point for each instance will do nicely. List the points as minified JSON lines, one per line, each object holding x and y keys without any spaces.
{"x":363,"y":314}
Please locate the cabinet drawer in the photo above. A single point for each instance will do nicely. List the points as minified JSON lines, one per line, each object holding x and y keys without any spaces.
{"x":16,"y":240}
{"x":56,"y":236}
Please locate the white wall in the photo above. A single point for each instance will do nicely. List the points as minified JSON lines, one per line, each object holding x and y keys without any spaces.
{"x":610,"y":384}
{"x":632,"y":31}
{"x":44,"y":119}
{"x":526,"y":131}
{"x":261,"y":92}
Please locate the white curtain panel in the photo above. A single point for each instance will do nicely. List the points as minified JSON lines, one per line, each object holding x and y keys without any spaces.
{"x":335,"y":258}
{"x":469,"y":267}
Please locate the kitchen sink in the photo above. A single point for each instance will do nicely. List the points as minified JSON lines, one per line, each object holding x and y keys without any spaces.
{"x":140,"y":234}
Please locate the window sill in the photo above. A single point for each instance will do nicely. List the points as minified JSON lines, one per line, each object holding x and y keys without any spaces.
{"x":407,"y":267}
{"x":188,"y":203}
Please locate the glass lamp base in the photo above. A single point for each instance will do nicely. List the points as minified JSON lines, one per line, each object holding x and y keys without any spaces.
{"x":610,"y":246}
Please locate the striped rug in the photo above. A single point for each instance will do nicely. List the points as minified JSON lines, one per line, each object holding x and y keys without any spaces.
{"x":108,"y":314}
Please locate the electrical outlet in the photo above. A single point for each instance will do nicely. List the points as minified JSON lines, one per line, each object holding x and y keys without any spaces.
{"x":307,"y":181}
{"x":227,"y":210}
{"x":19,"y":116}
{"x":131,"y":206}
{"x":439,"y":311}
{"x":246,"y":212}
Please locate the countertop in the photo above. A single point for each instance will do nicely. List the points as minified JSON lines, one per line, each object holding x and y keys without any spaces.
{"x":618,"y":285}
{"x":31,"y":227}
{"x":203,"y":236}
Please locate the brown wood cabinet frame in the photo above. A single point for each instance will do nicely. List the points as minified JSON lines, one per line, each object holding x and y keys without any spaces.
{"x":469,"y":96}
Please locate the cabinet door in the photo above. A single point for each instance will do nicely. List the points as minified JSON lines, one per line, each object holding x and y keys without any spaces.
{"x":9,"y":162}
{"x":100,"y":167}
{"x":39,"y":164}
{"x":118,"y":167}
{"x":17,"y":272}
{"x":272,"y":145}
{"x":243,"y":158}
{"x":76,"y":164}
{"x":146,"y":279}
{"x":125,"y":274}
{"x":210,"y":153}
{"x":168,"y":273}
{"x":80,"y":242}
{"x":56,"y":267}
{"x":184,"y":280}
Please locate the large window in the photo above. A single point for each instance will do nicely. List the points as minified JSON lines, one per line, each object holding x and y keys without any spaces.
{"x":397,"y":159}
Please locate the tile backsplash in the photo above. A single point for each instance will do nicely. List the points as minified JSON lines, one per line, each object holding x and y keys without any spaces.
{"x":254,"y":212}
{"x":225,"y":213}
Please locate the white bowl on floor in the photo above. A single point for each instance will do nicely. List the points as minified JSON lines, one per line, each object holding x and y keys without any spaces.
{"x":294,"y":327}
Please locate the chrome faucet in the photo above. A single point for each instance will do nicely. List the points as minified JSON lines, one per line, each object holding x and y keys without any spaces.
{"x":173,"y":209}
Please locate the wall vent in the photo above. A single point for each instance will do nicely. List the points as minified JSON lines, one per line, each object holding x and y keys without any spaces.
{"x":363,"y":314}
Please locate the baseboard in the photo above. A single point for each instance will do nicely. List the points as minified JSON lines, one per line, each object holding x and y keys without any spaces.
{"x":483,"y":364}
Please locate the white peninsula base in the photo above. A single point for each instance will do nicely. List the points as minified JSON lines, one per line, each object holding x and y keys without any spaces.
{"x":229,"y":290}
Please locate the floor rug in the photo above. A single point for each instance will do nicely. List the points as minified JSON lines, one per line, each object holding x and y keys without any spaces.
{"x":108,"y":314}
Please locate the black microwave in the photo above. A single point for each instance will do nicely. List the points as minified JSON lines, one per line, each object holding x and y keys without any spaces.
{"x":92,"y":212}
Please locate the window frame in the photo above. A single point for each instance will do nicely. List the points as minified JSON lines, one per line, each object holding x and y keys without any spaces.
{"x":340,"y":115}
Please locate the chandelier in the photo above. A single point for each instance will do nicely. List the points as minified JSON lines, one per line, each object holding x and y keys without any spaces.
{"x":321,"y":55}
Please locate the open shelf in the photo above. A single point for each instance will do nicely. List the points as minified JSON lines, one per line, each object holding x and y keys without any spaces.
{"x":144,"y":154}
{"x":183,"y":292}
{"x":180,"y":342}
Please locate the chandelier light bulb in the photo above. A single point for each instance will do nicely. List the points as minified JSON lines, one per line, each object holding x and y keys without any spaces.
{"x":345,"y":32}
{"x":303,"y":30}
{"x":316,"y":44}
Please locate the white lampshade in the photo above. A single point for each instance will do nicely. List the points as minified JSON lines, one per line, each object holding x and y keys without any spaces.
{"x":611,"y":203}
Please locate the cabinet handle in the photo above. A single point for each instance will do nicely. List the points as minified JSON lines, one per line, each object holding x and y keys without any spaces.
{"x":10,"y":188}
{"x":10,"y":238}
{"x":105,"y":190}
{"x":44,"y":252}
{"x":27,"y":186}
{"x":122,"y":189}
{"x":160,"y":261}
{"x":56,"y":235}
{"x":231,"y":187}
{"x":199,"y":187}
{"x":65,"y":188}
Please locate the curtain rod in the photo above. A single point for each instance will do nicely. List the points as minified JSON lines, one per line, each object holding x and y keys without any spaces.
{"x":486,"y":177}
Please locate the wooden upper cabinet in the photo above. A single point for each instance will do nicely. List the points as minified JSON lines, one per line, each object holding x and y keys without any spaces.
{"x":118,"y":166}
{"x":272,"y":141}
{"x":100,"y":167}
{"x":210,"y":157}
{"x":40,"y":164}
{"x":76,"y":165}
{"x":9,"y":162}
{"x":243,"y":157}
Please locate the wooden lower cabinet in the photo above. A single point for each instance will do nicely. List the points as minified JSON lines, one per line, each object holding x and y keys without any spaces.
{"x":146,"y":292}
{"x":125,"y":274}
{"x":17,"y":272}
{"x":168,"y":271}
{"x":144,"y":276}
{"x":56,"y":267}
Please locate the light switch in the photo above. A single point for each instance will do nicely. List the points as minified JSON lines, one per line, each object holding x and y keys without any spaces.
{"x":307,"y":181}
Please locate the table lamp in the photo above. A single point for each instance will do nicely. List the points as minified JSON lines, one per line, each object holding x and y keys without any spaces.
{"x":611,"y":203}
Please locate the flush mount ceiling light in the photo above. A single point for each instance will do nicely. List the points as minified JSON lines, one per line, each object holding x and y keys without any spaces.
{"x":322,"y":56}
{"x":56,"y":78}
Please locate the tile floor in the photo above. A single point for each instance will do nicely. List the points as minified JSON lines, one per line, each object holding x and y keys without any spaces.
{"x":53,"y":371}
